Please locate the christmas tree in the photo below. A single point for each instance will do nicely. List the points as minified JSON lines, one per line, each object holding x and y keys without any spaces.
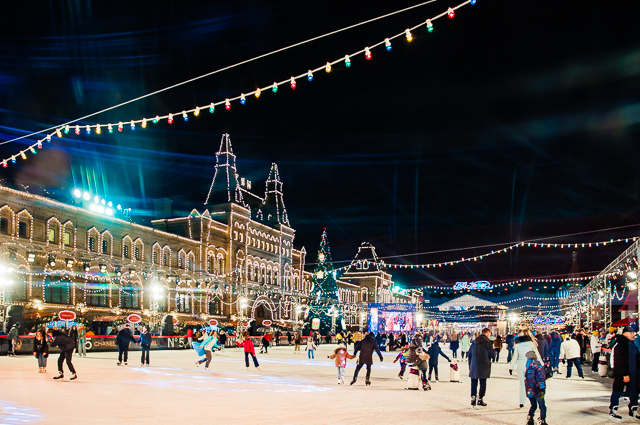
{"x":323,"y":299}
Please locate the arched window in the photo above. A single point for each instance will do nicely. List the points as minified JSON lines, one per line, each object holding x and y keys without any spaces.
{"x":107,"y":242}
{"x":126,"y":247}
{"x":25,"y":224}
{"x":6,"y":220}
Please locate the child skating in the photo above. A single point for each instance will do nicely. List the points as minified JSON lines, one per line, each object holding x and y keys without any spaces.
{"x":402,"y":357}
{"x":535,"y":386}
{"x":41,"y":350}
{"x":341,"y":355}
{"x":249,"y":349}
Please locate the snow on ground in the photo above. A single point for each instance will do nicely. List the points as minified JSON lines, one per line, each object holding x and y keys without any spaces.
{"x":290,"y":389}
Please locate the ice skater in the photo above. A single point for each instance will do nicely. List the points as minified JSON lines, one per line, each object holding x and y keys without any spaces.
{"x":209,"y":343}
{"x":536,"y":387}
{"x":66,"y":345}
{"x":249,"y":349}
{"x":41,"y":350}
{"x":435,"y":351}
{"x":402,"y":357}
{"x":311,"y":346}
{"x":145,"y":343}
{"x":526,"y":342}
{"x":123,"y":339}
{"x":341,"y":355}
{"x":366,"y":347}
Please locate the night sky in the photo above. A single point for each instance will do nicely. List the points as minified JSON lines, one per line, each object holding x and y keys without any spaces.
{"x":513,"y":121}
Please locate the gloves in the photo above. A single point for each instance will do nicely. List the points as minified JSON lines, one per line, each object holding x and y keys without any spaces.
{"x":510,"y":372}
{"x":542,"y":393}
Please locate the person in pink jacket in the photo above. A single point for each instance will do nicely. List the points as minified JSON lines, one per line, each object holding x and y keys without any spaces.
{"x":247,"y":344}
{"x":341,"y":355}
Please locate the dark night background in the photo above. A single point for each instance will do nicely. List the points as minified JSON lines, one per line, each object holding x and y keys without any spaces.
{"x":515,"y":120}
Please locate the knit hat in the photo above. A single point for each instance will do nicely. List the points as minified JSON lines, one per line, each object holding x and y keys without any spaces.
{"x":627,"y":329}
{"x":531,"y":355}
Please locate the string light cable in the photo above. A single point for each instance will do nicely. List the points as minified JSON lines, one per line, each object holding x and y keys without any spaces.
{"x":97,"y":128}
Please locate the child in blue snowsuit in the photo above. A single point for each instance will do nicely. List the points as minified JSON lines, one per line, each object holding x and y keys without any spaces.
{"x":434,"y":351}
{"x":535,"y":386}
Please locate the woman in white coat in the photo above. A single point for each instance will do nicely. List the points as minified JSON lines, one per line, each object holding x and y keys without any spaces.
{"x":525,"y":343}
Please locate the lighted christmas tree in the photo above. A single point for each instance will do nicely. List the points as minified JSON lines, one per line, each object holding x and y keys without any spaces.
{"x":323,"y":299}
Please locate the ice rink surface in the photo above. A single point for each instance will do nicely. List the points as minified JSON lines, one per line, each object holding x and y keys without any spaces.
{"x":289,"y":389}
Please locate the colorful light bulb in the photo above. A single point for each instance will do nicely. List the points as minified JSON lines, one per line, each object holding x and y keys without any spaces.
{"x":347,"y":61}
{"x":274,"y":88}
{"x":98,"y":131}
{"x":196,"y":112}
{"x":23,"y":155}
{"x":387,"y":44}
{"x":88,"y":129}
{"x":328,"y":67}
{"x":258,"y":92}
{"x":367,"y":53}
{"x":77,"y":131}
{"x":133,"y":126}
{"x":227,"y":104}
{"x":170,"y":119}
{"x":39,"y":144}
{"x":310,"y":75}
{"x":185,"y":116}
{"x":120,"y":126}
{"x":4,"y":163}
{"x":33,"y":151}
{"x":293,"y":83}
{"x":407,"y":33}
{"x":243,"y":100}
{"x":144,"y":123}
{"x":66,"y":129}
{"x":451,"y":13}
{"x":58,"y":133}
{"x":156,"y":119}
{"x":48,"y":138}
{"x":212,"y":108}
{"x":472,"y":2}
{"x":429,"y":25}
{"x":13,"y":159}
{"x":110,"y":128}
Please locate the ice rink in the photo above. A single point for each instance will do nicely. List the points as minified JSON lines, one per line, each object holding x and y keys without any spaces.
{"x":290,"y":389}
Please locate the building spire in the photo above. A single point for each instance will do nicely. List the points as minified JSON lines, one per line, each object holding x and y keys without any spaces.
{"x":276,"y":213}
{"x":224,"y":186}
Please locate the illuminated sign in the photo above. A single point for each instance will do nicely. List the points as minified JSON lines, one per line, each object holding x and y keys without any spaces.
{"x":551,"y":320}
{"x":481,"y":284}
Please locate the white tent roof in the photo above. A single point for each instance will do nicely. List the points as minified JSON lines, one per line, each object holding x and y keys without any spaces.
{"x":465,"y":302}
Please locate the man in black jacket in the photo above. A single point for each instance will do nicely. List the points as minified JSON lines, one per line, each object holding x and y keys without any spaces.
{"x":366,"y":347}
{"x":124,"y":338}
{"x":66,"y":346}
{"x":480,"y":355}
{"x":625,"y":373}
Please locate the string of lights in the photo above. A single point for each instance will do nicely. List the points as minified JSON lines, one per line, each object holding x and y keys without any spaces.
{"x":242,"y":98}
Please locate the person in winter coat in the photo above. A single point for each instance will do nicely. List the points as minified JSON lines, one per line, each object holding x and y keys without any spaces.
{"x":403,"y":339}
{"x":41,"y":350}
{"x":625,"y":373}
{"x":145,"y":343}
{"x":480,"y":355}
{"x":123,"y":339}
{"x":570,"y":350}
{"x":222,"y":339}
{"x":465,"y":343}
{"x":536,"y":387}
{"x":73,"y":334}
{"x":435,"y":351}
{"x":82,"y":341}
{"x":341,"y":355}
{"x":419,"y":358}
{"x":596,"y":346}
{"x":265,"y":343}
{"x":454,"y":345}
{"x":526,"y":342}
{"x":65,"y":344}
{"x":209,"y":341}
{"x":289,"y":337}
{"x":247,"y":345}
{"x":297,"y":340}
{"x":13,"y":337}
{"x":310,"y":347}
{"x":554,"y":351}
{"x":510,"y":340}
{"x":366,"y":347}
{"x":402,"y":357}
{"x":497,"y":346}
{"x":543,"y":347}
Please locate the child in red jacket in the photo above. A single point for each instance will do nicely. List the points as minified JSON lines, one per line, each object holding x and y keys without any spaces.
{"x":248,"y":349}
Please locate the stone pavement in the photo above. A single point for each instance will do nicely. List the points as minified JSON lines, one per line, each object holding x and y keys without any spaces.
{"x":290,"y":389}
